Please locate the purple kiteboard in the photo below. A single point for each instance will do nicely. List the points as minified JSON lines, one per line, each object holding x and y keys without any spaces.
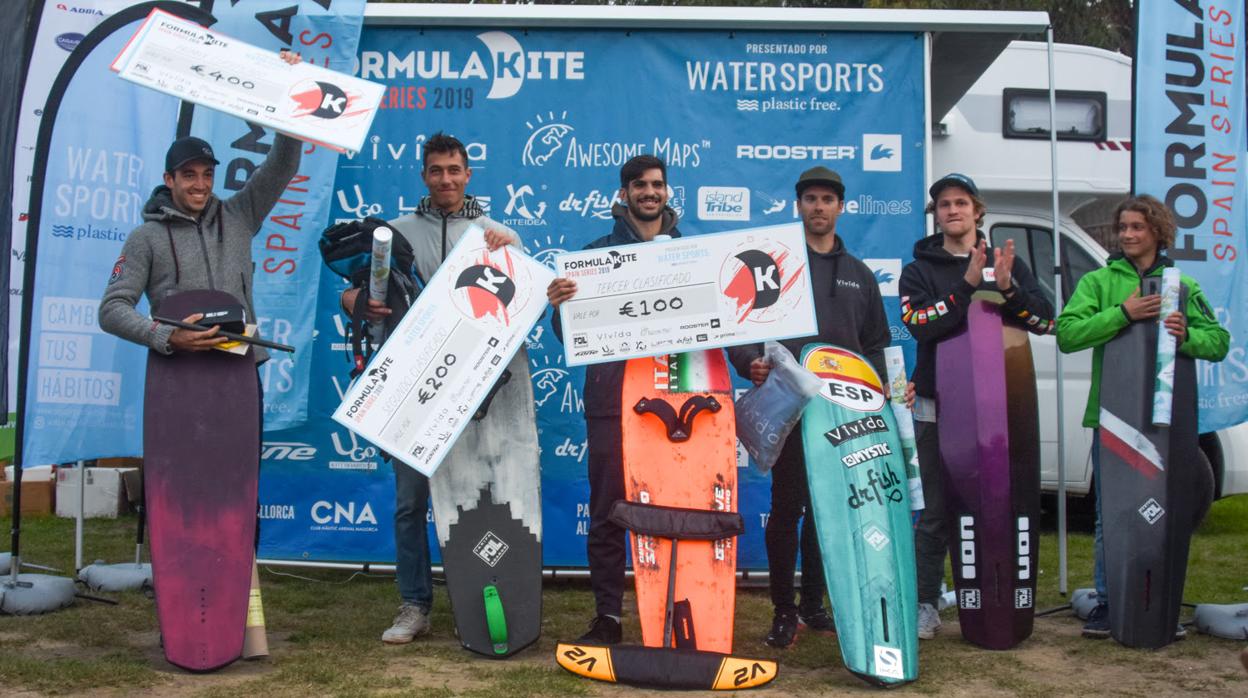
{"x":987,"y":420}
{"x":201,"y":461}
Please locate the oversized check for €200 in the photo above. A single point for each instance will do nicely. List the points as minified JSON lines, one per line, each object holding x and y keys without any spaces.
{"x":425,"y":383}
{"x":686,"y":294}
{"x":183,"y":59}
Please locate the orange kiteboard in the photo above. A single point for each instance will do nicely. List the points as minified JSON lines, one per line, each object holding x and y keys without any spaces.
{"x":680,"y":457}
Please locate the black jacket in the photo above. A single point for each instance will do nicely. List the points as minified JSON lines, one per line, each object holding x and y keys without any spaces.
{"x":935,"y":298}
{"x":604,"y":383}
{"x":848,"y":309}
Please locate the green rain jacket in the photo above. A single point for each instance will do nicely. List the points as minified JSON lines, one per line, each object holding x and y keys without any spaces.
{"x":1094,"y":315}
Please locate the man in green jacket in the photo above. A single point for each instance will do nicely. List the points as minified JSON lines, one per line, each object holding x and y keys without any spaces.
{"x":1105,"y":302}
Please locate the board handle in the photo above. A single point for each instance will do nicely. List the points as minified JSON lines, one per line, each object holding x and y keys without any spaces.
{"x":495,"y":620}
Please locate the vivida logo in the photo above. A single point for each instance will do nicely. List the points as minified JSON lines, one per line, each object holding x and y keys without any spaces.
{"x":852,"y":430}
{"x":848,"y":380}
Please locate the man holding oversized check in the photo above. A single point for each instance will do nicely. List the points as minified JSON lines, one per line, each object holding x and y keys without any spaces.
{"x":444,"y":218}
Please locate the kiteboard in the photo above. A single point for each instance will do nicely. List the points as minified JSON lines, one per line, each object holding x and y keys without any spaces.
{"x":679,"y":441}
{"x":201,"y":450}
{"x":988,"y":426}
{"x":488,"y":514}
{"x":856,"y":470}
{"x":1154,"y":484}
{"x":664,"y":668}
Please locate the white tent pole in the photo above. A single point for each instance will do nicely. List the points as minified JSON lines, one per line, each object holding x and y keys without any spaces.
{"x":1057,"y":306}
{"x":82,"y":498}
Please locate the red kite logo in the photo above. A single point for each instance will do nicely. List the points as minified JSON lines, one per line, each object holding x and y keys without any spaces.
{"x":757,"y":280}
{"x":324,"y":100}
{"x":488,"y":288}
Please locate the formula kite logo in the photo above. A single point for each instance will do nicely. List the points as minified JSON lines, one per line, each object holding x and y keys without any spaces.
{"x":488,"y":288}
{"x":324,"y":100}
{"x":759,"y":280}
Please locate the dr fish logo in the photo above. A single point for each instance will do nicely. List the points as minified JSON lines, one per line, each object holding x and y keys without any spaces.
{"x":487,"y":288}
{"x":758,"y":280}
{"x":323,"y":100}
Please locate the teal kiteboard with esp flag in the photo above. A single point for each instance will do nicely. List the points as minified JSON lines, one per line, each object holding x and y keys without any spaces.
{"x":856,"y":470}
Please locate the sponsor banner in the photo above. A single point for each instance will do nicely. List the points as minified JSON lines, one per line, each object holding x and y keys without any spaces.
{"x":546,"y":126}
{"x":188,"y":61}
{"x":84,"y":388}
{"x":287,"y":262}
{"x":686,"y":294}
{"x":62,"y":26}
{"x":1189,"y":151}
{"x":422,"y":388}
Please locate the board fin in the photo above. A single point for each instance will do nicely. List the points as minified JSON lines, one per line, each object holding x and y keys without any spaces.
{"x":683,"y":635}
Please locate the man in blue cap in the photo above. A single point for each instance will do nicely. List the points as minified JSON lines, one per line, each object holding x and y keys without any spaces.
{"x":935,"y":294}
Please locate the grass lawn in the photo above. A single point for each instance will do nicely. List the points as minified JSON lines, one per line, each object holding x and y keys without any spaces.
{"x":324,"y":629}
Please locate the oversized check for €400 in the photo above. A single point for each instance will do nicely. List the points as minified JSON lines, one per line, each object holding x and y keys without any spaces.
{"x":686,"y":294}
{"x":425,"y":383}
{"x":181,"y":58}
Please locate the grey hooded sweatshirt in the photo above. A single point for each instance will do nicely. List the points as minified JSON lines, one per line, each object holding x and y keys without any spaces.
{"x":173,"y":251}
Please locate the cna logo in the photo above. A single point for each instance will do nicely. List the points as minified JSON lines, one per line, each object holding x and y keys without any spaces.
{"x":506,"y":65}
{"x":881,"y":152}
{"x":848,"y":380}
{"x":765,"y":281}
{"x":546,"y":140}
{"x":337,"y":516}
{"x":519,"y":211}
{"x":723,"y":204}
{"x":887,"y":274}
{"x":550,"y":384}
{"x":69,"y":40}
{"x":324,"y":100}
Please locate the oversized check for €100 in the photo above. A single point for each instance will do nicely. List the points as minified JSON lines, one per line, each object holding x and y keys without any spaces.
{"x":425,"y":383}
{"x":183,"y":59}
{"x":686,"y":294}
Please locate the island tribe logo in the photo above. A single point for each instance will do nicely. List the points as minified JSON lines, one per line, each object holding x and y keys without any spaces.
{"x":765,"y":280}
{"x":486,"y":287}
{"x":848,"y":380}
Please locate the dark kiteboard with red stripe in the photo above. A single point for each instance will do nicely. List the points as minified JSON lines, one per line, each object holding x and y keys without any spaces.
{"x":988,"y":423}
{"x":201,"y":462}
{"x":1155,"y":483}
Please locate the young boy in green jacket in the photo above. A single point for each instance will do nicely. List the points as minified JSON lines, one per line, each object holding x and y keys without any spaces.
{"x":1106,"y":301}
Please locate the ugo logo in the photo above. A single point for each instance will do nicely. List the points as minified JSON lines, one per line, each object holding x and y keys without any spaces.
{"x":764,"y":279}
{"x":881,"y":152}
{"x":509,"y":65}
{"x":848,"y":380}
{"x":723,"y":204}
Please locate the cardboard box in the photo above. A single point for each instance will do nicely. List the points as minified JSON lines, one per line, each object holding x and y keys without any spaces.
{"x":37,"y":498}
{"x":104,"y":497}
{"x":33,"y":473}
{"x":118,"y":462}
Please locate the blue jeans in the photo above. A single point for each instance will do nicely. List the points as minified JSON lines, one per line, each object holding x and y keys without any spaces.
{"x":411,"y":536}
{"x":1098,"y":540}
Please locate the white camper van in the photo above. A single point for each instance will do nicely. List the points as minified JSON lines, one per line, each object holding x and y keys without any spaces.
{"x":998,"y":133}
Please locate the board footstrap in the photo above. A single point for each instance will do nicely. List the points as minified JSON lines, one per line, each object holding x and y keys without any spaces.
{"x":679,"y":424}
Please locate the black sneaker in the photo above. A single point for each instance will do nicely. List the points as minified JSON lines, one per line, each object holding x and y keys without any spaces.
{"x":1097,"y":627}
{"x":820,"y":621}
{"x":603,"y":630}
{"x":783,"y":631}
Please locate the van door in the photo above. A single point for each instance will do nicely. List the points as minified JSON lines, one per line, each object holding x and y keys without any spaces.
{"x":1034,"y":245}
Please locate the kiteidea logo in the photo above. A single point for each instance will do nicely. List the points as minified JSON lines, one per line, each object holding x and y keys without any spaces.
{"x":723,"y":204}
{"x":764,"y":278}
{"x":519,"y":210}
{"x":848,"y":380}
{"x":505,"y":67}
{"x":324,"y":100}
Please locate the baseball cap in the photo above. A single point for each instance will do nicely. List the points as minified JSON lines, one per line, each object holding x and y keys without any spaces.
{"x":820,"y":175}
{"x":185,"y":150}
{"x":953,"y":179}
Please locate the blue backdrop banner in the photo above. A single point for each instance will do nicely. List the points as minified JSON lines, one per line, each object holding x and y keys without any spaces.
{"x":548,"y":117}
{"x":1191,"y":140}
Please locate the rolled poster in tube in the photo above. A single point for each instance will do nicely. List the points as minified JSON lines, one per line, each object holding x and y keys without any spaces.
{"x":895,"y":363}
{"x":1163,"y":388}
{"x":379,"y":272}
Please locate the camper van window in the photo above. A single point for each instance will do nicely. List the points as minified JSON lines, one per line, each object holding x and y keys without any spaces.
{"x":1080,"y":115}
{"x":1075,"y":263}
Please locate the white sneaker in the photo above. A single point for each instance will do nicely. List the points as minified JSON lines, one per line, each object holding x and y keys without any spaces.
{"x":411,"y":622}
{"x":929,"y":621}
